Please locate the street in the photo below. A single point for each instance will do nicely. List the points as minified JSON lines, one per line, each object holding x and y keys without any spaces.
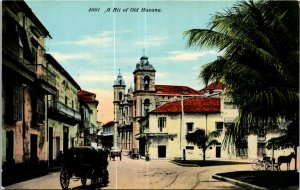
{"x":138,"y":174}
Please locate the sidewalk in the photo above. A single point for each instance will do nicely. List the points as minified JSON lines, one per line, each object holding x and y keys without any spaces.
{"x":247,"y":177}
{"x":23,"y":173}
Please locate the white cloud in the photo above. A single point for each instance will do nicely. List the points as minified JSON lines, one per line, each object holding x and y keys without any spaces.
{"x":63,"y":57}
{"x":190,"y":56}
{"x":151,"y":41}
{"x":91,"y":57}
{"x":101,"y":39}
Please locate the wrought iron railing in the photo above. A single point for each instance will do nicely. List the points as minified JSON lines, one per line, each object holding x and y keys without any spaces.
{"x":62,"y":108}
{"x":15,"y":51}
{"x":45,"y":74}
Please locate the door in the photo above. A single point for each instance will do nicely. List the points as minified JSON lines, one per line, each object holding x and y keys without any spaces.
{"x":50,"y":146}
{"x":66,"y":139}
{"x":142,"y":146}
{"x":33,"y":148}
{"x":218,"y":150}
{"x":9,"y":146}
{"x":161,"y":151}
{"x":57,"y":143}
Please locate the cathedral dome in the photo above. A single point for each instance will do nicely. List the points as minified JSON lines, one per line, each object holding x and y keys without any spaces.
{"x":144,"y":64}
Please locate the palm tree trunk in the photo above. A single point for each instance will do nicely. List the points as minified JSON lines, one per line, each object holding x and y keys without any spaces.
{"x":204,"y":155}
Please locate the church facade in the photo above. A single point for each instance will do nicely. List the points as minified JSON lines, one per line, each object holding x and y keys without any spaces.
{"x":132,"y":105}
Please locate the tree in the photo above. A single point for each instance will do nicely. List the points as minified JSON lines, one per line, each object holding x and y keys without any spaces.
{"x":260,"y":63}
{"x":203,"y":140}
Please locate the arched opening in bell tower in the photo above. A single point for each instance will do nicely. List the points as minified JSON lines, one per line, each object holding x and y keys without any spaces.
{"x":146,"y":82}
{"x":120,"y":96}
{"x":146,"y":106}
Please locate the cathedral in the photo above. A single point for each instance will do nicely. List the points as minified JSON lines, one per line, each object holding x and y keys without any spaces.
{"x":156,"y":118}
{"x":132,"y":105}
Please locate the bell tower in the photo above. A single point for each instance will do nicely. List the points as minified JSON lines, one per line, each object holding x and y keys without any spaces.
{"x":143,"y":95}
{"x":119,"y":92}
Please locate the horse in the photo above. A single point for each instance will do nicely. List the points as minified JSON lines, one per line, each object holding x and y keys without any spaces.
{"x":286,"y":159}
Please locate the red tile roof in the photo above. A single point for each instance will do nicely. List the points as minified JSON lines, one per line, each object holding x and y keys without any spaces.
{"x":214,"y":86}
{"x":191,"y":105}
{"x":110,"y":123}
{"x":176,"y":90}
{"x":86,"y":96}
{"x":84,"y":92}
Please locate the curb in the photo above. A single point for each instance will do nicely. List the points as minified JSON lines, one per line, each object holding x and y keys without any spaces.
{"x":187,"y":165}
{"x":237,"y":183}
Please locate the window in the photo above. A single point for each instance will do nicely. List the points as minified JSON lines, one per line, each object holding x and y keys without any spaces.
{"x":228,"y":124}
{"x":17,"y":104}
{"x":146,"y":106}
{"x":120,"y":96}
{"x":189,"y":127}
{"x":146,"y":82}
{"x":219,"y":126}
{"x":229,"y":105}
{"x":161,"y":123}
{"x":40,"y":111}
{"x":261,"y":135}
{"x":34,"y":53}
{"x":189,"y":147}
{"x":66,"y":100}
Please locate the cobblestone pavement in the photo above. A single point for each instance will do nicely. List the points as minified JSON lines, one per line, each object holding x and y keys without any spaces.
{"x":138,"y":174}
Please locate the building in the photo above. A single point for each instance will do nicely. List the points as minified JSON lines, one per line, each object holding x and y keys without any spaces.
{"x":26,"y":81}
{"x":123,"y":110}
{"x":163,"y":130}
{"x":107,"y":134}
{"x":136,"y":103}
{"x":88,"y":127}
{"x":63,"y":111}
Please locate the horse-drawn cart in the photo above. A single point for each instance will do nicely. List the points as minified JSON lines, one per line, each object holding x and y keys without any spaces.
{"x":84,"y":163}
{"x":134,"y":153}
{"x":115,"y":153}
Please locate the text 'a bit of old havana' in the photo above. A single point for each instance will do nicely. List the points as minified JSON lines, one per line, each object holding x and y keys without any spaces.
{"x":125,"y":10}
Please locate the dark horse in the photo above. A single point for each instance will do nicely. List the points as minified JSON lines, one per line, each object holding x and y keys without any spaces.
{"x":286,"y":159}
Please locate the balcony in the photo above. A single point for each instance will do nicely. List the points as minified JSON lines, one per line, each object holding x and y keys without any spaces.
{"x":16,"y":53}
{"x":46,"y":78}
{"x":85,"y":125}
{"x":60,"y":112}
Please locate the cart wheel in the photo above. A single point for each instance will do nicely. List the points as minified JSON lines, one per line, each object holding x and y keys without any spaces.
{"x":256,"y":164}
{"x":83,"y":181}
{"x":94,"y":178}
{"x":64,"y":179}
{"x":268,"y":166}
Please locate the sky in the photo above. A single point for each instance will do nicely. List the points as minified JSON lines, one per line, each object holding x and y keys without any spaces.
{"x":93,"y":44}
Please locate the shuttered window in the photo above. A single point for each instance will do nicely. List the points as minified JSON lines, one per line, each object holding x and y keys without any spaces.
{"x":17,"y":104}
{"x":161,"y":123}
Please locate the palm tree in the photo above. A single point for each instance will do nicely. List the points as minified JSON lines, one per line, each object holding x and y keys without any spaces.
{"x":203,"y":140}
{"x":260,"y":64}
